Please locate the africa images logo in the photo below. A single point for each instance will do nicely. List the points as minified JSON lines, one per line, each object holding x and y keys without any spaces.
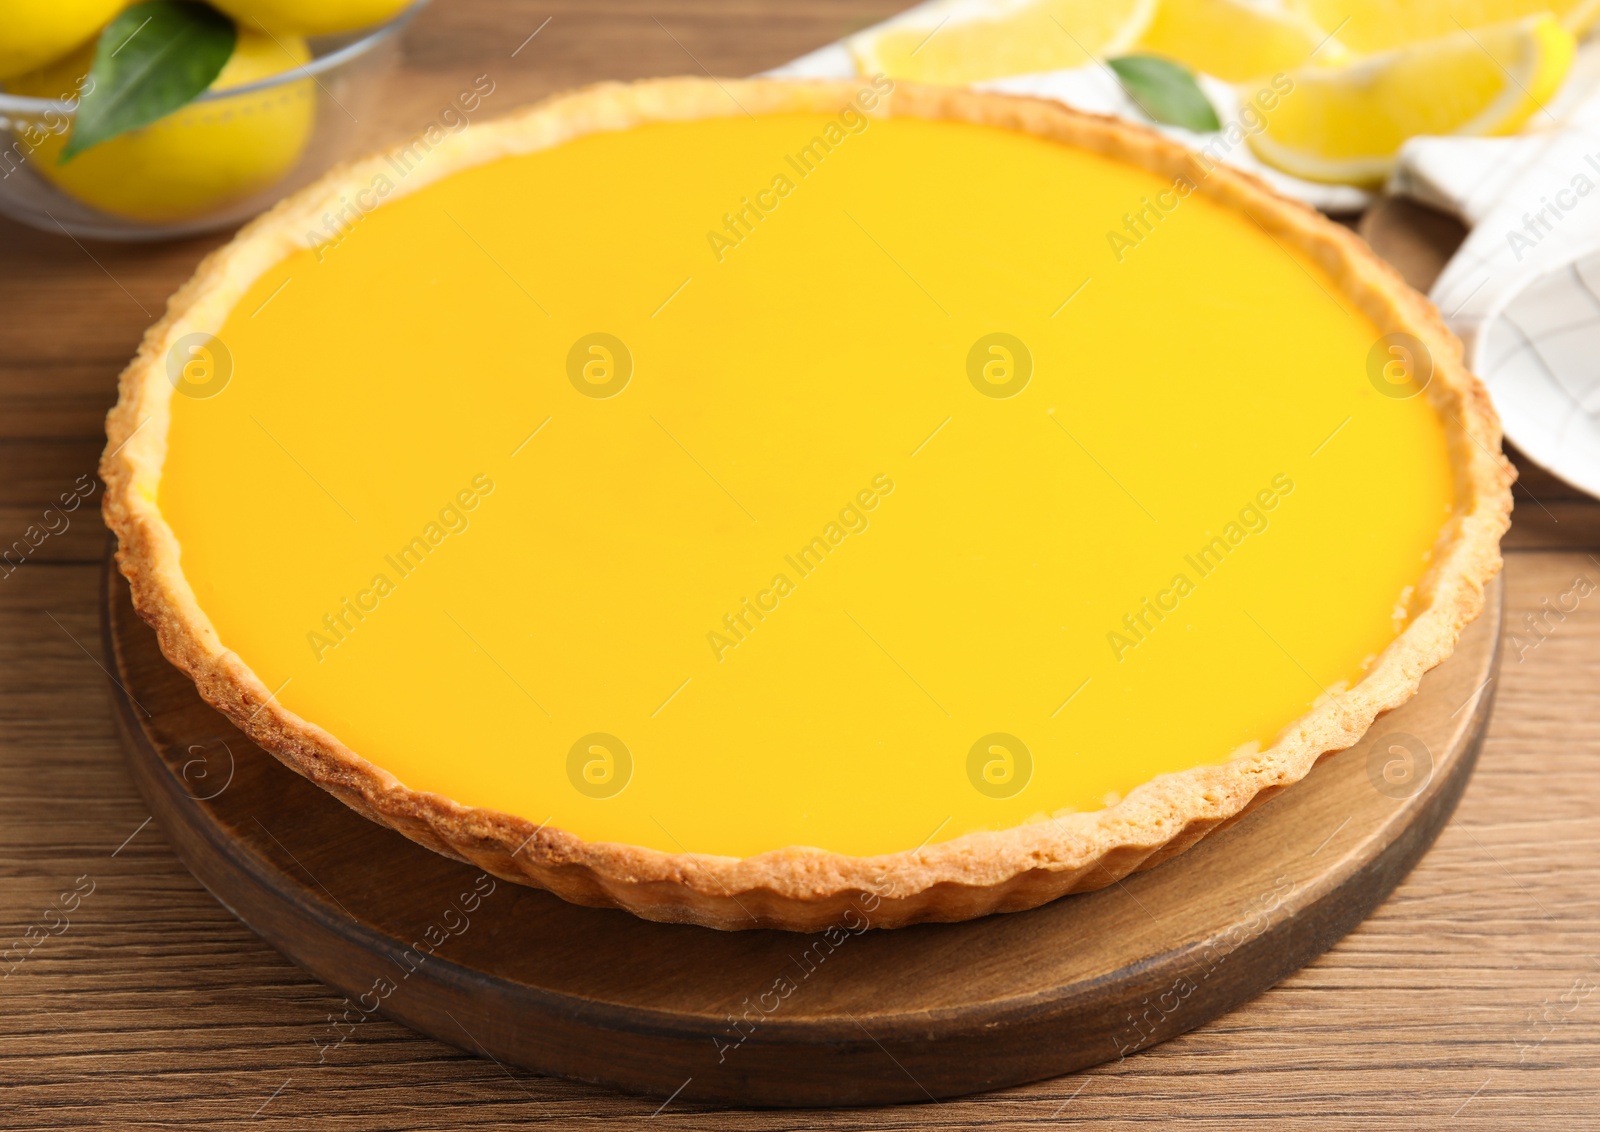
{"x":999,"y":365}
{"x":599,"y":765}
{"x":999,"y":765}
{"x":599,"y":365}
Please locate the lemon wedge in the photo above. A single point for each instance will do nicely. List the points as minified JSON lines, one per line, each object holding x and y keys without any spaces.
{"x":963,"y":41}
{"x":1367,"y":26}
{"x":1239,"y":39}
{"x":1345,"y":125}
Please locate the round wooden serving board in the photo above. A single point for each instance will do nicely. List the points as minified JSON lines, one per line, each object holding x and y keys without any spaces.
{"x":774,"y":1018}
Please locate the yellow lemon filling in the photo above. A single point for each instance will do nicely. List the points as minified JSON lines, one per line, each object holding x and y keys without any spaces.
{"x":728,"y":485}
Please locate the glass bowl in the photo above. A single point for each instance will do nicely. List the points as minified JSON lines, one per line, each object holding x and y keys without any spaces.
{"x":305,"y":120}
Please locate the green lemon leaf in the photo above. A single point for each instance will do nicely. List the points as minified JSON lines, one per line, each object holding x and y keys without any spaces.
{"x":150,"y":60}
{"x":1166,"y":91}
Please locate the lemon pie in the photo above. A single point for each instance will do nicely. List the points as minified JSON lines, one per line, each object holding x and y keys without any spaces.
{"x":742,"y":502}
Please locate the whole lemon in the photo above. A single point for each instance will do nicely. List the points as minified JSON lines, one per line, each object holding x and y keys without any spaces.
{"x":33,"y":32}
{"x":195,"y":160}
{"x":309,"y":17}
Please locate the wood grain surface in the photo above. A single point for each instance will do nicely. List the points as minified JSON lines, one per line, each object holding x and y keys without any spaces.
{"x":1470,"y":1000}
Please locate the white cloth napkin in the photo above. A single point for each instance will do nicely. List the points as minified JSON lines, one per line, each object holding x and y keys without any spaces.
{"x":1523,"y":291}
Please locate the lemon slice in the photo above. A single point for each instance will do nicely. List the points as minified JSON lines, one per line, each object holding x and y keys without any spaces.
{"x":1367,"y":26}
{"x":1239,"y":39}
{"x":963,"y":41}
{"x":1346,"y":125}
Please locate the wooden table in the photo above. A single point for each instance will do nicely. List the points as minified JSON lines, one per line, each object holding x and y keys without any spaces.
{"x":1471,"y":1000}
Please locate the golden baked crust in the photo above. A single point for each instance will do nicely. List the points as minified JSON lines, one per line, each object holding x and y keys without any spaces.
{"x":807,"y":889}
